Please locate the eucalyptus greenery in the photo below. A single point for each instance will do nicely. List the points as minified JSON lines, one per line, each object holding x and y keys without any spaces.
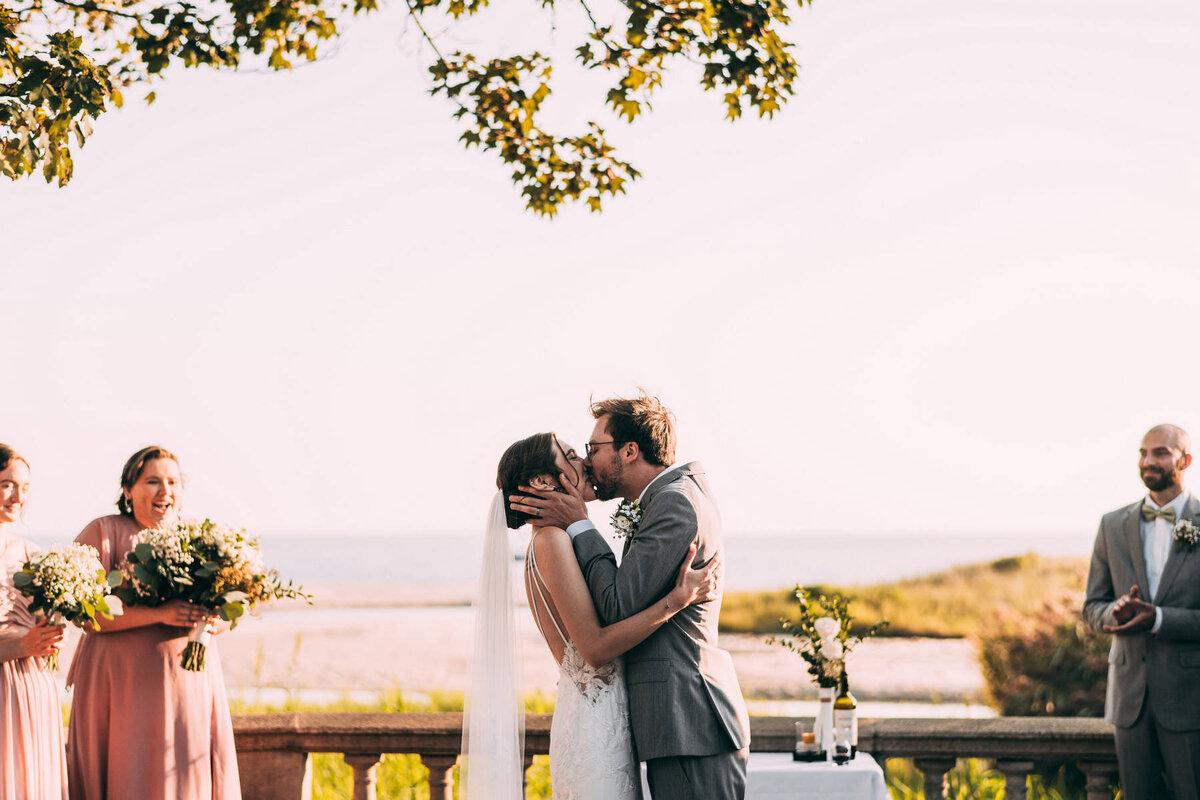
{"x":64,"y":63}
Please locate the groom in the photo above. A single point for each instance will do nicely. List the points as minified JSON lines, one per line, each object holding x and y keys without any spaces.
{"x":686,"y":712}
{"x":1144,"y":587}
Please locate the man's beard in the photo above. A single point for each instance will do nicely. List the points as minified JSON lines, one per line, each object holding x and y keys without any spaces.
{"x":609,"y":487}
{"x":1157,"y":481}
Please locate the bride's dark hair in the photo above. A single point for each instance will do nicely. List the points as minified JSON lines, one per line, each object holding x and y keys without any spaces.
{"x":523,"y":461}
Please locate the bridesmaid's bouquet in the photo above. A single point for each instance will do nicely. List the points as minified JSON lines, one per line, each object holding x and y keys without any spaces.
{"x":68,"y":584}
{"x":204,"y":563}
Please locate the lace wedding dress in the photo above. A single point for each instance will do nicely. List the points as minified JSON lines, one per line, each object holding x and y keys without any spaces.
{"x":591,"y":752}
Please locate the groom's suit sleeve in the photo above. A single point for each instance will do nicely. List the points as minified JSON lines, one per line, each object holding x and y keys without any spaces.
{"x":649,"y":566}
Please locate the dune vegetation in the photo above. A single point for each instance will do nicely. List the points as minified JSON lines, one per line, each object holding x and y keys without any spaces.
{"x":949,"y":604}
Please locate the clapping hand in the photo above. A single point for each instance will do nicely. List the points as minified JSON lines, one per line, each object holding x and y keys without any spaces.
{"x":1132,"y":613}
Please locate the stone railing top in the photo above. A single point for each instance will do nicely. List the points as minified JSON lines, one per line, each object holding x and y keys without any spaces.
{"x":441,"y":733}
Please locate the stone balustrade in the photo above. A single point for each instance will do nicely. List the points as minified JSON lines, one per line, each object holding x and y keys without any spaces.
{"x":273,"y":749}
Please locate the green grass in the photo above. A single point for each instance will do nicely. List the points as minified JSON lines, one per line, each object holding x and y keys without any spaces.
{"x":953,"y":603}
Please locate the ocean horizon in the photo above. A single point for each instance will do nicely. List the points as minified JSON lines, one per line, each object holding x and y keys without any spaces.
{"x":754,"y":561}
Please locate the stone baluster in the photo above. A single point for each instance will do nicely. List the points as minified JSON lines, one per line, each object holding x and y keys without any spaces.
{"x":364,"y":765}
{"x":935,"y":770}
{"x":1016,"y":777}
{"x":275,"y":775}
{"x":1099,"y":778}
{"x":441,"y":782}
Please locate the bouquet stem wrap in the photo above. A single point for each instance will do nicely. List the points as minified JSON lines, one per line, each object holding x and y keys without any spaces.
{"x":197,"y":646}
{"x":52,"y":659}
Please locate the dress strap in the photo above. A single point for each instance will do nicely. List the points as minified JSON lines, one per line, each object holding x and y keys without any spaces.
{"x":533,"y":577}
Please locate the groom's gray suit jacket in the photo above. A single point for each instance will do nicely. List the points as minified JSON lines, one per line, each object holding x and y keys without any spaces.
{"x":684,"y":698}
{"x":1167,"y":662}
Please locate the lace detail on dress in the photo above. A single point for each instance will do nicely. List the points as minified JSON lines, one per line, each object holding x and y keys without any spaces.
{"x":591,"y":751}
{"x":590,"y":681}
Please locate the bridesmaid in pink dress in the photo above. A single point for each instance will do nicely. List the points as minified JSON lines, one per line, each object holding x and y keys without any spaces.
{"x":32,"y":764}
{"x":142,"y":727}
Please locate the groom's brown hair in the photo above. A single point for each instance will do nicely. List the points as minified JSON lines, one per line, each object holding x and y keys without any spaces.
{"x":643,"y":420}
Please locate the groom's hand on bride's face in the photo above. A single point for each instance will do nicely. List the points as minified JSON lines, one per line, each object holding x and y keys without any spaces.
{"x":559,"y":509}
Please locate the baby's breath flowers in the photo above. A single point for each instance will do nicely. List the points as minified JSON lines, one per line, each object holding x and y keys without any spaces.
{"x":68,"y":584}
{"x":1186,"y":533}
{"x":204,"y":563}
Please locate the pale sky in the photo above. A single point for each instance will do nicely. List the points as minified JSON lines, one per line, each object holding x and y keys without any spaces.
{"x":947,"y":289}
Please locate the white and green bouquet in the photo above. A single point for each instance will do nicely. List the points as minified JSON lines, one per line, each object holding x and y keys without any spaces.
{"x":203,"y":563}
{"x":68,"y":584}
{"x":823,"y":634}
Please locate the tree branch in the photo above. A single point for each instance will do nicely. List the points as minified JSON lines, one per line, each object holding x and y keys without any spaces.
{"x":412,"y":12}
{"x":96,"y":9}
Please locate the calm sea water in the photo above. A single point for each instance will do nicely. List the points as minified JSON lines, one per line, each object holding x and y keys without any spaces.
{"x":753,"y":560}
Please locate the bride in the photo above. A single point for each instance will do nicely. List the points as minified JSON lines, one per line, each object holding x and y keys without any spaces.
{"x":591,"y":754}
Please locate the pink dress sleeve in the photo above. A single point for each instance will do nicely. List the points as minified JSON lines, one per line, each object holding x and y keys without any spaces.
{"x":15,"y":619}
{"x":32,"y":762}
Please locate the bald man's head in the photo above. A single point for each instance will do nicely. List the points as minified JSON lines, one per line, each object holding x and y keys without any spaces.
{"x":1164,"y":455}
{"x":1176,"y":435}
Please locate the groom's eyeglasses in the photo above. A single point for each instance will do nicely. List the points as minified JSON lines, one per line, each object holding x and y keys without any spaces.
{"x":590,"y":447}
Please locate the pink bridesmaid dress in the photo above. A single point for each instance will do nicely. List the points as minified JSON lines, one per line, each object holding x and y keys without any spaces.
{"x":142,"y":727}
{"x":32,"y":764}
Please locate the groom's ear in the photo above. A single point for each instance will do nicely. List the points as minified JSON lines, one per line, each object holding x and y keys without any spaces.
{"x":631,"y":451}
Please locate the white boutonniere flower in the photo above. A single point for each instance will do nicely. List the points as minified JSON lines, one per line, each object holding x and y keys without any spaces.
{"x":626,"y":518}
{"x":1187,"y":533}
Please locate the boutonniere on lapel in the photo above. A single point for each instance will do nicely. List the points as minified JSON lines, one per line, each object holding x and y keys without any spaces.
{"x":1187,"y":534}
{"x":626,"y":518}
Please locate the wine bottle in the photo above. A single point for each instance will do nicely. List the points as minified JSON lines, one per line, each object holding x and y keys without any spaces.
{"x":845,"y":713}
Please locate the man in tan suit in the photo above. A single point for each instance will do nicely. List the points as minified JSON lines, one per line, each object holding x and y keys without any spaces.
{"x":1144,"y":587}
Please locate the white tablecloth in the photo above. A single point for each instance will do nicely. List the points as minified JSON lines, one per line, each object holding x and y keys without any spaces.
{"x":775,"y":776}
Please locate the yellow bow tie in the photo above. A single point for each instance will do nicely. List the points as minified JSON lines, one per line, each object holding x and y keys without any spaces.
{"x":1149,"y":514}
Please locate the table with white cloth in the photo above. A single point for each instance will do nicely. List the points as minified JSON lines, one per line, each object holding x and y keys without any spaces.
{"x":775,"y":776}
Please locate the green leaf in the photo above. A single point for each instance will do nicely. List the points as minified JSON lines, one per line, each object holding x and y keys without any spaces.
{"x":230,"y":612}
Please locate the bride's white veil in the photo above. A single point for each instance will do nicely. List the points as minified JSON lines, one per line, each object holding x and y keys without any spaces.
{"x":493,"y":749}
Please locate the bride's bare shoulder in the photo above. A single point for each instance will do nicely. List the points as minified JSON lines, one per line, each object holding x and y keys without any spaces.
{"x":550,"y":541}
